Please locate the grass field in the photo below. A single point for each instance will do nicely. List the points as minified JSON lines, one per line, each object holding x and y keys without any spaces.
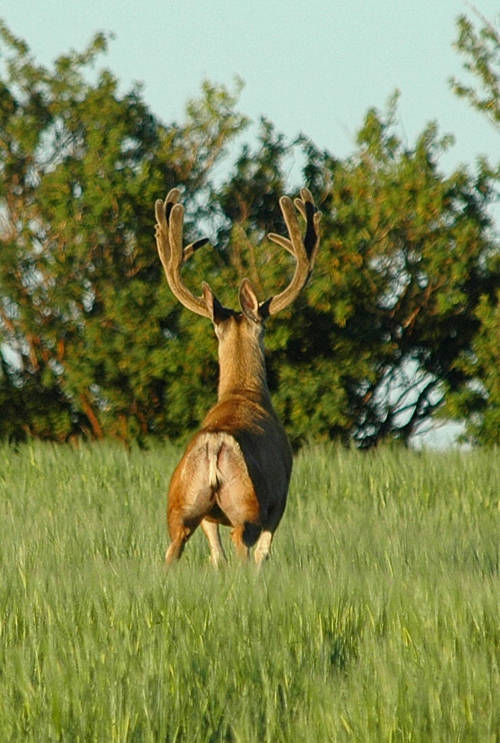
{"x":376,"y":620}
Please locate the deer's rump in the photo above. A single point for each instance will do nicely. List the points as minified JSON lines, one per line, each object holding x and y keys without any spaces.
{"x":215,"y":481}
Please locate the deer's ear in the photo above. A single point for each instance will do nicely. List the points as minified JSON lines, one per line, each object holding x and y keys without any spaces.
{"x":217,"y":311}
{"x":249,"y":302}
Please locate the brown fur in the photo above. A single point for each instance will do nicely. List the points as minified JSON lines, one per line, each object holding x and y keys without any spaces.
{"x":236,"y":469}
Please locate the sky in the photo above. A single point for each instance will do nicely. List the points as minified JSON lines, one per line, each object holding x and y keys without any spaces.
{"x":312,"y":67}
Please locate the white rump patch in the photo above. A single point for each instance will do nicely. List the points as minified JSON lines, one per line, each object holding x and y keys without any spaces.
{"x":213,"y":443}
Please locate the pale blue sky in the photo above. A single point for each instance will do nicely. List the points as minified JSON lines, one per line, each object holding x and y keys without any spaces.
{"x":312,"y":67}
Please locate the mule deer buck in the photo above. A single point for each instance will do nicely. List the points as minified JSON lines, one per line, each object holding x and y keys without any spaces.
{"x":236,"y":469}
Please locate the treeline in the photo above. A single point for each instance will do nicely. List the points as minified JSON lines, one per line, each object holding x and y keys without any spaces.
{"x":401,"y":321}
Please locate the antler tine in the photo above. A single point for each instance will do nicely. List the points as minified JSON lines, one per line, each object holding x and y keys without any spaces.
{"x":312,"y":216}
{"x":162,"y":214}
{"x":303,"y":249}
{"x":193,"y":247}
{"x":169,"y":237}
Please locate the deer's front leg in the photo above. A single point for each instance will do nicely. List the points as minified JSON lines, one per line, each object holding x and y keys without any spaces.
{"x":211,"y":531}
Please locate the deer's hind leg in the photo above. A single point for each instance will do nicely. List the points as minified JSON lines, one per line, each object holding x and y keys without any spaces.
{"x":237,"y":499}
{"x":179,"y":534}
{"x":244,"y":536}
{"x":190,"y":498}
{"x":263,"y":547}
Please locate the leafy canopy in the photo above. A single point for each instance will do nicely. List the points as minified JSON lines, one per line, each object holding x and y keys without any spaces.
{"x":399,"y":321}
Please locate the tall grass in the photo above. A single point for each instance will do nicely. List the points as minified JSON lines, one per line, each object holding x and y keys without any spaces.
{"x":377,"y":618}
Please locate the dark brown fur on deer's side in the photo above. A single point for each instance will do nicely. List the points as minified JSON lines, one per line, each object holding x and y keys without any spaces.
{"x":236,"y":469}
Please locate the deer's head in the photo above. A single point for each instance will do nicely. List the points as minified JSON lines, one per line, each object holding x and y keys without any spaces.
{"x":248,"y":322}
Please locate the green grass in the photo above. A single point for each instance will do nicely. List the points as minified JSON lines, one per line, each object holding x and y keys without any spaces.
{"x":376,"y":620}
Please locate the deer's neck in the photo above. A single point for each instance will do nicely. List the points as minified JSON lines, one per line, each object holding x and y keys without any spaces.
{"x":242,"y":371}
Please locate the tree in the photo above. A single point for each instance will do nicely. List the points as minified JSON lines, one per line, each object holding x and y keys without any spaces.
{"x":476,"y":401}
{"x":481,"y":49}
{"x":397,"y":321}
{"x":88,"y":327}
{"x":403,"y":264}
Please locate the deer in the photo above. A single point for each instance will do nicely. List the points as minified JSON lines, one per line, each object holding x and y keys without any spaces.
{"x":236,"y":469}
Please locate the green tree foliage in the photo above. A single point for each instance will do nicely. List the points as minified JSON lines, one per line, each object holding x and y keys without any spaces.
{"x":481,"y":49}
{"x":403,"y":267}
{"x":476,"y":402}
{"x":84,"y":311}
{"x":397,"y":320}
